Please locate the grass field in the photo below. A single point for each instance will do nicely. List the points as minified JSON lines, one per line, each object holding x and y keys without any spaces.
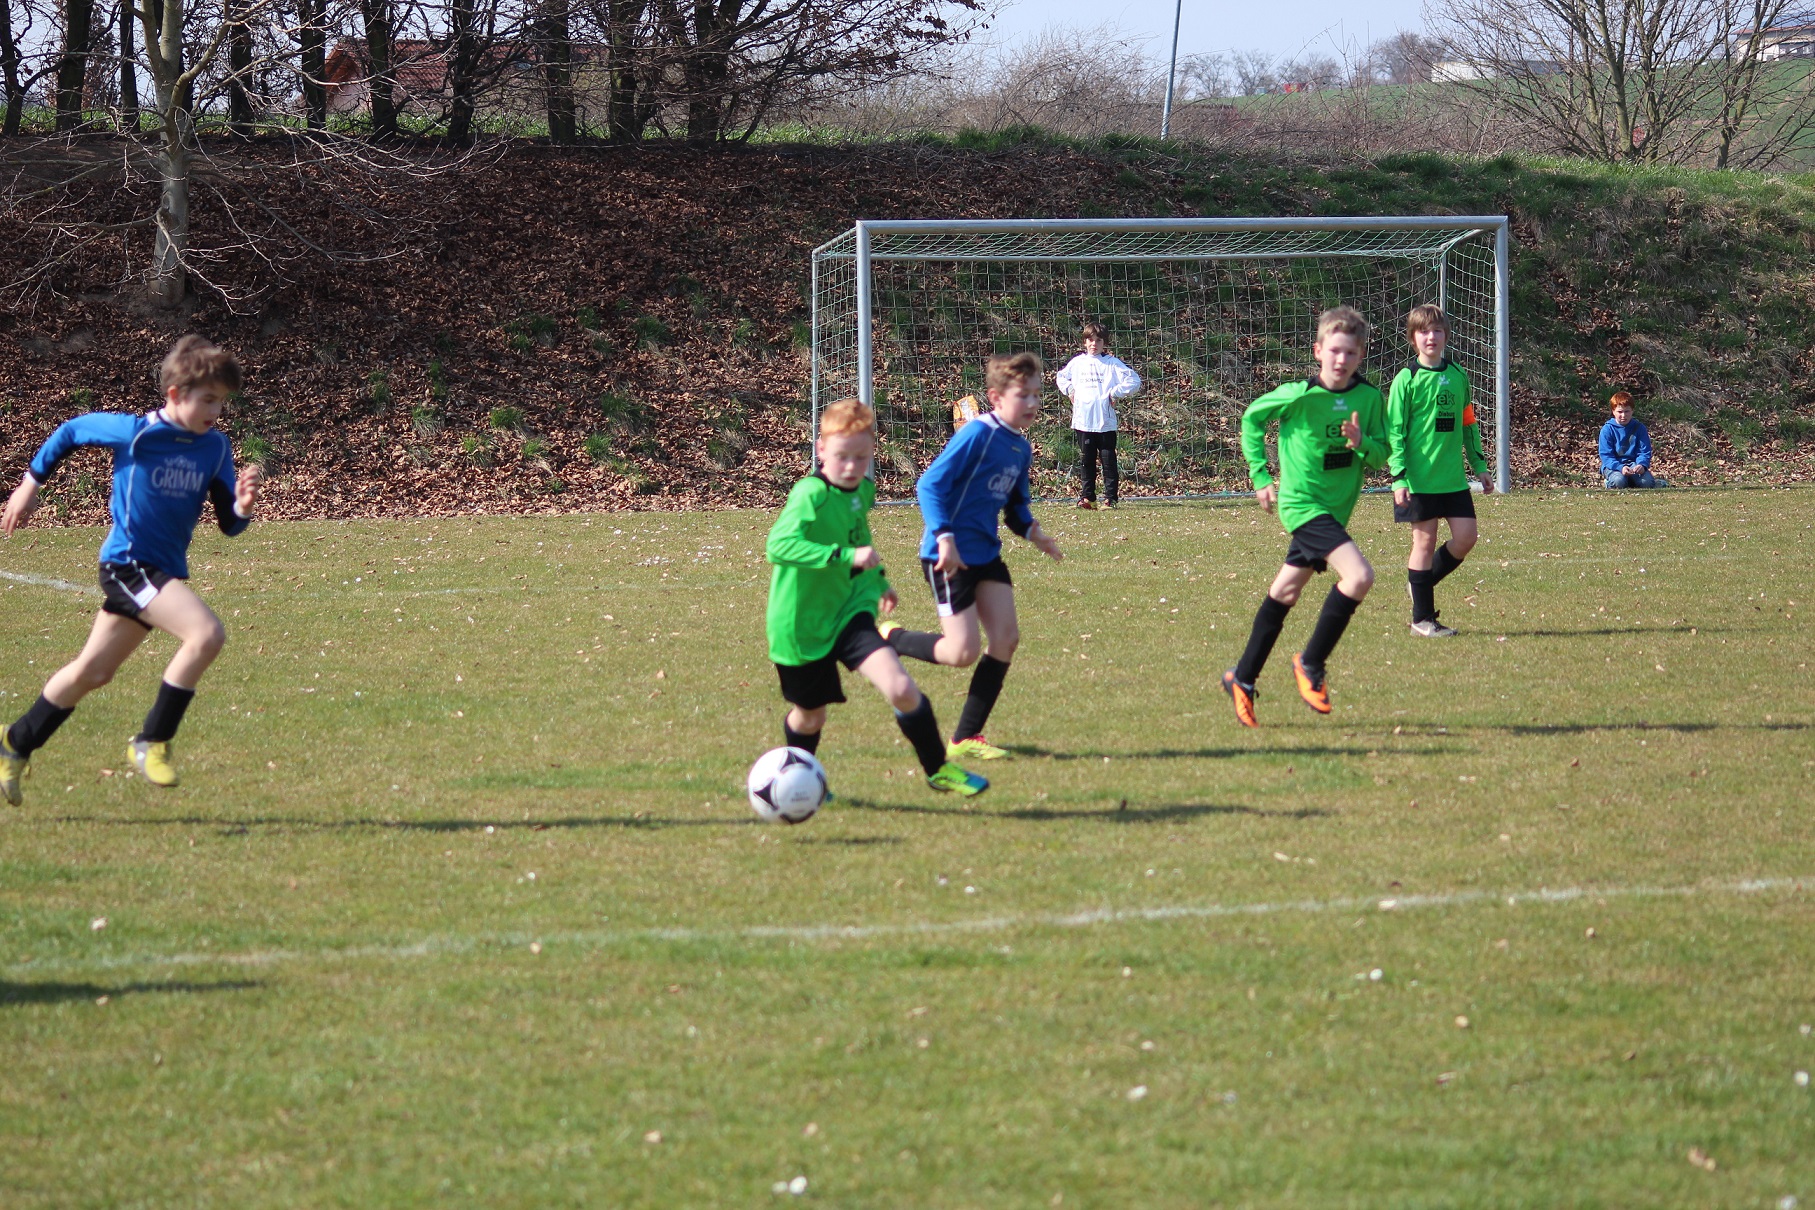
{"x":460,"y":901}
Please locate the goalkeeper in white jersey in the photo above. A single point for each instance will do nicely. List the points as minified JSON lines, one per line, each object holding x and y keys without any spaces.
{"x":1093,"y":381}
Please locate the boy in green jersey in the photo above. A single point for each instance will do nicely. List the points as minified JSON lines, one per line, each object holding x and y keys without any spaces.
{"x":1430,"y":429}
{"x":1332,"y":429}
{"x":824,"y":595}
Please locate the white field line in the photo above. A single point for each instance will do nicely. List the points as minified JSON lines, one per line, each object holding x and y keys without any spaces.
{"x":25,"y":577}
{"x":433,"y":946}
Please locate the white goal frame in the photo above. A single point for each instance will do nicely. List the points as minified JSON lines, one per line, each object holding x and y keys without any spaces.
{"x":844,"y":336}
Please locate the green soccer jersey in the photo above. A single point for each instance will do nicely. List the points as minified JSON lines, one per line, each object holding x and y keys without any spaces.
{"x":1431,"y":428}
{"x":814,"y":592}
{"x":1318,"y":472}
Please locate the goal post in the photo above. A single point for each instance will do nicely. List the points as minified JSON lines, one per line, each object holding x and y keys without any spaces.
{"x":1211,"y":312}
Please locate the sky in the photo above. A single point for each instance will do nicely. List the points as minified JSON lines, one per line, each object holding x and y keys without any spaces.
{"x":1282,"y":28}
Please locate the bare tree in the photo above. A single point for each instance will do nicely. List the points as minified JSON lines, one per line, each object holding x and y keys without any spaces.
{"x":15,"y":20}
{"x":312,"y":53}
{"x":1637,"y":81}
{"x":554,"y":37}
{"x":381,"y":84}
{"x":1404,"y":58}
{"x":72,"y":66}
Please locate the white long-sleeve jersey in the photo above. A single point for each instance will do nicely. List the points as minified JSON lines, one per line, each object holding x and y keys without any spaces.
{"x":1093,"y":382}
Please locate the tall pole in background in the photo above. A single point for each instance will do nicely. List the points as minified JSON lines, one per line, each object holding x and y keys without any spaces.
{"x":1171,"y":71}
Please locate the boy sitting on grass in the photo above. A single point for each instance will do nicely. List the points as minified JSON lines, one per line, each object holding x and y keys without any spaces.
{"x":165,"y":465}
{"x":1431,"y":429}
{"x":1332,"y":428}
{"x":1626,"y":448}
{"x":979,"y":478}
{"x":1093,"y":381}
{"x":826,"y":590}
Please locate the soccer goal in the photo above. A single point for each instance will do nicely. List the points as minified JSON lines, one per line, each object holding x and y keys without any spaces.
{"x":1210,"y":311}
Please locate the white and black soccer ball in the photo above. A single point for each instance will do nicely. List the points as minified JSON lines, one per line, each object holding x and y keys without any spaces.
{"x":787,"y":785}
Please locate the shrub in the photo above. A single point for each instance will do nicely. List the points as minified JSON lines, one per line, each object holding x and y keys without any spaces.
{"x":507,"y":419}
{"x":254,"y":448}
{"x":437,"y":380}
{"x":651,"y":332}
{"x":425,"y":420}
{"x":378,"y":389}
{"x":477,"y":447}
{"x":598,"y":448}
{"x":82,"y":399}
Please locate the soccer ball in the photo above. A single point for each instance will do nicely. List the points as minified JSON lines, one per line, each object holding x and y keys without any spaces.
{"x":787,"y":785}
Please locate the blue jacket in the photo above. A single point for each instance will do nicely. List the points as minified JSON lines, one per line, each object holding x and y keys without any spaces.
{"x":162,"y":473}
{"x":1624,"y":445}
{"x":981,"y":473}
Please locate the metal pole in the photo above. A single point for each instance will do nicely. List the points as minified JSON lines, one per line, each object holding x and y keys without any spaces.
{"x":864,"y":319}
{"x":1503,"y":358}
{"x":813,"y":398}
{"x":1171,"y":71}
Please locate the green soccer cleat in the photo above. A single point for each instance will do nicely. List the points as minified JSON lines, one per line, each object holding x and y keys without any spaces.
{"x":153,"y":760}
{"x":974,"y":748}
{"x":13,"y":769}
{"x":954,"y":780}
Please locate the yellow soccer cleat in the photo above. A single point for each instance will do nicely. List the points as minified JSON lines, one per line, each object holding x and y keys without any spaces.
{"x":13,"y":769}
{"x":954,"y":780}
{"x":152,"y":758}
{"x":974,"y":748}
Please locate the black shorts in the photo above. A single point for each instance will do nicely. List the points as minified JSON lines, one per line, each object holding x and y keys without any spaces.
{"x":127,"y":588}
{"x":811,"y":686}
{"x":1313,"y":541}
{"x":957,"y":592}
{"x":1435,"y":506}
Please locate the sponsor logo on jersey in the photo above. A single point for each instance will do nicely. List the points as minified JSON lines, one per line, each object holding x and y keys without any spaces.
{"x":1003,"y":481}
{"x":179,"y":476}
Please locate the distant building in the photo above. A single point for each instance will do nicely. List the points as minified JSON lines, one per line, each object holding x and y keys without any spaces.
{"x":1794,"y":39}
{"x":511,"y":78}
{"x":1456,"y":71}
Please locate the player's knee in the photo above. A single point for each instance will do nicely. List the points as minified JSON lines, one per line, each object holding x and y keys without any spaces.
{"x":1286,"y":595}
{"x":963,"y":651}
{"x":1356,"y":586}
{"x":807,"y":722}
{"x":1461,"y":544}
{"x":90,"y":677}
{"x":1002,"y":646}
{"x":904,"y":695}
{"x":210,"y":640}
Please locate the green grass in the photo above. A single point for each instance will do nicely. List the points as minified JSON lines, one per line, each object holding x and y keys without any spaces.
{"x":319,"y":963}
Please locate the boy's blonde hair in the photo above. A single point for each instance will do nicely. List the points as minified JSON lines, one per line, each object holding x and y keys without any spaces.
{"x":194,"y":361}
{"x":1621,"y":399}
{"x":845,"y":417}
{"x":1005,"y":369}
{"x":1096,"y":331}
{"x":1423,"y":318}
{"x":1344,"y":320}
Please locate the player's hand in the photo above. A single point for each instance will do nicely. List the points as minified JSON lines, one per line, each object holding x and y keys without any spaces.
{"x":1487,"y":484}
{"x":247,"y":488}
{"x":889,"y":600}
{"x":864,"y":558}
{"x":1402,"y":496}
{"x":1351,"y":428}
{"x":1047,"y":544}
{"x":1268,"y":496}
{"x":19,"y":507}
{"x":948,"y":560}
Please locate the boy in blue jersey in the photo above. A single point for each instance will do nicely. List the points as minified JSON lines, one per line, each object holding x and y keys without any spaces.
{"x":165,"y":465}
{"x":980,"y":476}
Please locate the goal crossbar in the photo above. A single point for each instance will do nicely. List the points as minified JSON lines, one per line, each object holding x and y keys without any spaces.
{"x":857,"y":253}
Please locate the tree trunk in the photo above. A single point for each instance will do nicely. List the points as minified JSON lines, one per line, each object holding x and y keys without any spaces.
{"x":380,"y":87}
{"x":239,"y":68}
{"x":72,"y":68}
{"x":557,"y":72}
{"x":9,"y":71}
{"x":169,"y":273}
{"x":462,"y":72}
{"x":129,"y":70}
{"x":625,"y":116}
{"x":312,"y":40}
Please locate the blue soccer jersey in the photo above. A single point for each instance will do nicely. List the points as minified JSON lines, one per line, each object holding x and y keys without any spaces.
{"x":162,"y":473}
{"x":979,"y":476}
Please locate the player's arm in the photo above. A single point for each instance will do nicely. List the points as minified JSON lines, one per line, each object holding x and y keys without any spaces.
{"x":235,"y":497}
{"x":938,"y":490}
{"x":1018,"y":514}
{"x":1642,"y":459}
{"x":1398,"y":432}
{"x":1062,"y":379}
{"x":1126,"y":381}
{"x":94,"y":428}
{"x":1471,"y":440}
{"x":1255,"y":420}
{"x":788,"y":544}
{"x":1372,"y":444}
{"x":1610,"y":459}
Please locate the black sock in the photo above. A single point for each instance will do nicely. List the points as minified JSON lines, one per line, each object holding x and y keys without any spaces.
{"x":986,"y":686}
{"x":1268,"y":621}
{"x":922,"y":731}
{"x":1446,"y":563}
{"x":1338,"y":608}
{"x":915,"y":644}
{"x":166,"y":714}
{"x":36,"y":726}
{"x":1424,"y":594}
{"x":799,"y":739}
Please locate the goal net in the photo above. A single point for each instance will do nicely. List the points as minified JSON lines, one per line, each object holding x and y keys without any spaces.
{"x":1210,"y":312}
